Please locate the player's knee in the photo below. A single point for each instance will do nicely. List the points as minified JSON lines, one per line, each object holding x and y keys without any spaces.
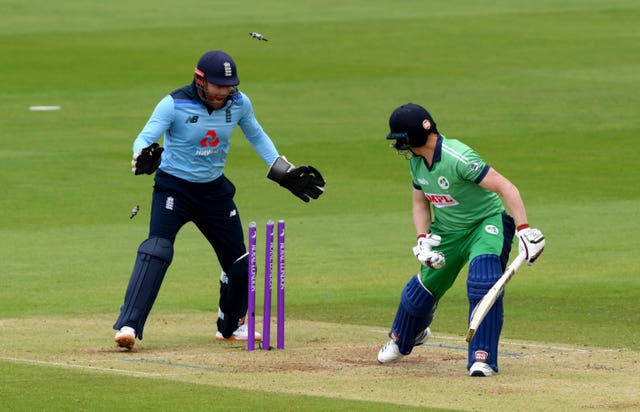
{"x":157,"y":247}
{"x":239,"y":270}
{"x":484,"y":270}
{"x":415,"y":298}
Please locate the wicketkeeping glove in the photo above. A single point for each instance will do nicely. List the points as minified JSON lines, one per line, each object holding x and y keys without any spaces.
{"x":148,"y":160}
{"x":306,"y":182}
{"x":531,"y":242}
{"x":426,"y":256}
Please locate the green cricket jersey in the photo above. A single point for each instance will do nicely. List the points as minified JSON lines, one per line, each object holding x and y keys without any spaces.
{"x":451,"y":185}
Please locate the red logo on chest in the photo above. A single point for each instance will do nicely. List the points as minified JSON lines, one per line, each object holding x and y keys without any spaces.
{"x":441,"y":200}
{"x":211,"y":140}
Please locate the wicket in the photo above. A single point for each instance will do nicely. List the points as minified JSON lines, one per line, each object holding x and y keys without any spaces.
{"x":268,"y":280}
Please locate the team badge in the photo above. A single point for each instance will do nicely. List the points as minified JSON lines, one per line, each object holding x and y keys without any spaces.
{"x":491,"y":229}
{"x":443,"y":183}
{"x":228,"y":72}
{"x":426,"y":124}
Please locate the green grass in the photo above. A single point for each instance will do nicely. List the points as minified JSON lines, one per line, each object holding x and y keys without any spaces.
{"x":546,"y":92}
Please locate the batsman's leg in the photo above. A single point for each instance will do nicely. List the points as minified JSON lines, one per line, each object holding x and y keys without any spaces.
{"x":153,"y":260}
{"x":484,"y":271}
{"x":414,"y":315}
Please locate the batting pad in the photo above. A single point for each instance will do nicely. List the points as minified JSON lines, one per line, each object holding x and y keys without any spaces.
{"x":484,"y":271}
{"x":414,"y":314}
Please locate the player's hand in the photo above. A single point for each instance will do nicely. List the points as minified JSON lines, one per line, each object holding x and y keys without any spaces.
{"x":148,"y":160}
{"x":306,"y":182}
{"x":424,"y":253}
{"x":531,"y":242}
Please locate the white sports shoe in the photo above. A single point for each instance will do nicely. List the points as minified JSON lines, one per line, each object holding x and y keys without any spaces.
{"x":422,"y":337}
{"x":125,"y":337}
{"x":240,"y":334}
{"x":480,"y":369}
{"x":389,"y":353}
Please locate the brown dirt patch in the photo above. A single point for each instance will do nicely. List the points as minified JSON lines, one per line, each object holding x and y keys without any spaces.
{"x":338,"y":361}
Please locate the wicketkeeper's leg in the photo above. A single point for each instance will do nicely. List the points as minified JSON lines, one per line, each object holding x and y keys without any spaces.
{"x":153,"y":260}
{"x":234,"y":289}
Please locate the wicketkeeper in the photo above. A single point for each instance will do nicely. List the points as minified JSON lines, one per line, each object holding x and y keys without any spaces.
{"x":197,"y":121}
{"x":469,"y":224}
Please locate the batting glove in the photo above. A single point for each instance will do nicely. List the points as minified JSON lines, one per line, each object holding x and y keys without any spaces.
{"x":531,"y":242}
{"x":426,"y":256}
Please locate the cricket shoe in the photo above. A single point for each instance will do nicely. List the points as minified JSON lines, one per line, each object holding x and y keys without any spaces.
{"x":125,"y":337}
{"x":240,"y":334}
{"x":422,"y":337}
{"x":480,"y":369}
{"x":389,"y":353}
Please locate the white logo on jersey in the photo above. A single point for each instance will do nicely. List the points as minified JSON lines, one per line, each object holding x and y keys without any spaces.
{"x":440,"y":200}
{"x":474,"y":166}
{"x":443,"y":182}
{"x":233,"y":213}
{"x":491,"y":229}
{"x":169,"y":203}
{"x":423,"y":181}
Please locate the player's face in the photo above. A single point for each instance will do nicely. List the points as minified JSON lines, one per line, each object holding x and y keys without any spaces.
{"x":217,"y":95}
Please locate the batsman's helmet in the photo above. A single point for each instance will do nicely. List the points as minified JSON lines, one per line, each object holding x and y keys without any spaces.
{"x":410,"y":125}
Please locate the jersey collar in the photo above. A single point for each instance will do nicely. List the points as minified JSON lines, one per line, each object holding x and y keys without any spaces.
{"x":437,"y":154}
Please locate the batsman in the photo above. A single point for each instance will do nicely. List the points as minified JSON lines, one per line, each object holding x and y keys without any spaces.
{"x":197,"y":121}
{"x":459,"y":215}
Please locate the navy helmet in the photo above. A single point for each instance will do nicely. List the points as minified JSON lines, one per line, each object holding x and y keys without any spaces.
{"x":410,"y":125}
{"x":217,"y":67}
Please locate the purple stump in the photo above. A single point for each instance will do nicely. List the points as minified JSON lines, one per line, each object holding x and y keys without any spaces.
{"x":251,"y":308}
{"x":280,"y":286}
{"x":268,"y":265}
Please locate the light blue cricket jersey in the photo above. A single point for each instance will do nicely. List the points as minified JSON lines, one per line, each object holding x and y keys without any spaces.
{"x":196,"y":143}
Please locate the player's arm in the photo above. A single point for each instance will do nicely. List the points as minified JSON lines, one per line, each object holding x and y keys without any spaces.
{"x":305,"y":182}
{"x":531,"y":241}
{"x":499,"y":184}
{"x":147,"y":153}
{"x":421,"y":211}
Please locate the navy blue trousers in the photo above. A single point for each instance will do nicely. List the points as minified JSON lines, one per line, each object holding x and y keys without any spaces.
{"x":209,"y":206}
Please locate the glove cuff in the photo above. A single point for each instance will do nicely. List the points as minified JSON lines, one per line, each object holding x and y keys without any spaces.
{"x":522,"y":227}
{"x":279,"y":169}
{"x":421,"y":235}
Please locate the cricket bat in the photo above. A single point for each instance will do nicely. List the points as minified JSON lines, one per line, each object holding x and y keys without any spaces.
{"x":482,"y":308}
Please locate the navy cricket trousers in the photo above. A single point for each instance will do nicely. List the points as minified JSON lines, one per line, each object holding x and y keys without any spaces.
{"x":209,"y":206}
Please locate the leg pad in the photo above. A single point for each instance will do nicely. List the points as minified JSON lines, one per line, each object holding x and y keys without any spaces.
{"x":153,"y":260}
{"x":414,"y":314}
{"x":484,"y":271}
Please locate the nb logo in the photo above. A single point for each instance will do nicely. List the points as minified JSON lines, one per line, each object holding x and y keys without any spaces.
{"x":192,"y":119}
{"x":211,"y":140}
